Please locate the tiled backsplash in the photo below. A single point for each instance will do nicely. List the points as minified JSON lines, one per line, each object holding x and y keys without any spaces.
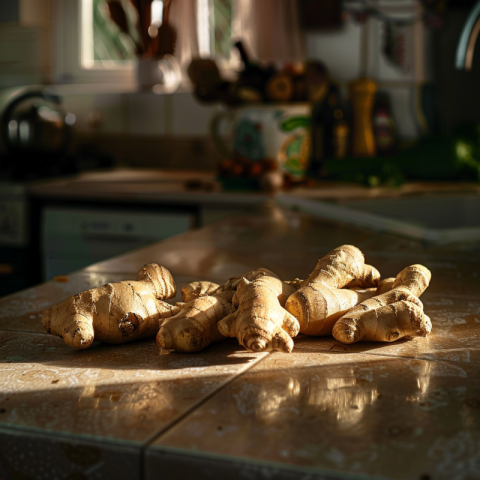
{"x":150,"y":151}
{"x":142,"y":113}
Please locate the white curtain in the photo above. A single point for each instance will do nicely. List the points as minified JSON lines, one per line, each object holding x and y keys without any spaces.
{"x":269,"y":29}
{"x":183,"y":17}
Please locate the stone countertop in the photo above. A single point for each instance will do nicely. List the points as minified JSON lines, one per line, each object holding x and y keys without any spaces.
{"x":164,"y":187}
{"x":184,"y":187}
{"x":409,"y":409}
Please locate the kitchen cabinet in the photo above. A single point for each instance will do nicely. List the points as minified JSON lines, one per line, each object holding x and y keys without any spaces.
{"x":82,"y":220}
{"x":63,"y":240}
{"x":74,"y":238}
{"x":13,"y":238}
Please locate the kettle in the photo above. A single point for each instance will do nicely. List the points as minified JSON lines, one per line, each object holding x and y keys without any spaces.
{"x":36,"y":134}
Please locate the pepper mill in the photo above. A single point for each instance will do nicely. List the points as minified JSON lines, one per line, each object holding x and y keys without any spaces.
{"x":362,"y":96}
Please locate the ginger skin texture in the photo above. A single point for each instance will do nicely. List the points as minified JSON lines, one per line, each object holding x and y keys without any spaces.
{"x":260,"y":322}
{"x":195,"y":326}
{"x":115,"y":313}
{"x":203,"y":288}
{"x":392,"y":315}
{"x":199,"y":289}
{"x":321,"y":299}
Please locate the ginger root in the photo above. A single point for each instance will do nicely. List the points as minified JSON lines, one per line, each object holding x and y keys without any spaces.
{"x":321,"y":301}
{"x":193,"y":322}
{"x":195,"y":326}
{"x":392,"y":315}
{"x":115,"y":313}
{"x":199,"y":289}
{"x":260,"y":322}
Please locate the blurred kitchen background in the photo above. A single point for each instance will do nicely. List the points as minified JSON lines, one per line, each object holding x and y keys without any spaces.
{"x":125,"y":122}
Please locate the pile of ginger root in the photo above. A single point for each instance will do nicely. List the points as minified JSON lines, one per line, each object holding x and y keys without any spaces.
{"x":343,"y":297}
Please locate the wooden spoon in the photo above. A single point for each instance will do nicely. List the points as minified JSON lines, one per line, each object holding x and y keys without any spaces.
{"x":166,"y":38}
{"x":119,"y":16}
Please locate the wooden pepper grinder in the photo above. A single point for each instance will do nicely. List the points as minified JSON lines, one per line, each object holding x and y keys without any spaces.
{"x":362,"y":97}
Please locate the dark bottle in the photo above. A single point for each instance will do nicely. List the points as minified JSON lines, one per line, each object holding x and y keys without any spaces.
{"x":384,"y":126}
{"x":330,"y":129}
{"x":340,"y":134}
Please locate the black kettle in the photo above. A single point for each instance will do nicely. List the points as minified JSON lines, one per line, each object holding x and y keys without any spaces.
{"x":36,"y":133}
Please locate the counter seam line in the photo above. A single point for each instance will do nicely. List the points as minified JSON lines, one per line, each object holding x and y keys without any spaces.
{"x":194,"y":407}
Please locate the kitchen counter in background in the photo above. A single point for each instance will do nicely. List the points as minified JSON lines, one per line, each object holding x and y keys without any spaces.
{"x":187,"y":186}
{"x":409,"y":409}
{"x":84,"y":219}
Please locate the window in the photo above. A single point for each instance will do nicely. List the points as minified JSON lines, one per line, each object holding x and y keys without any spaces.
{"x":84,"y":54}
{"x":216,"y":33}
{"x":91,"y":48}
{"x":103,"y":42}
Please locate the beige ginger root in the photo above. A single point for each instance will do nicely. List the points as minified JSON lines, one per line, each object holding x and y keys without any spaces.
{"x":260,"y":322}
{"x":115,"y":313}
{"x":392,"y":315}
{"x":205,"y":288}
{"x":321,"y":299}
{"x":195,"y":326}
{"x":199,"y":289}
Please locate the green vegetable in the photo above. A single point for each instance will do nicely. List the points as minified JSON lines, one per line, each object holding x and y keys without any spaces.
{"x":431,"y":158}
{"x":371,"y":172}
{"x":440,"y":158}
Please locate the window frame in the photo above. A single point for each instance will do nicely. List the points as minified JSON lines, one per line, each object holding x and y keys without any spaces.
{"x":68,"y":67}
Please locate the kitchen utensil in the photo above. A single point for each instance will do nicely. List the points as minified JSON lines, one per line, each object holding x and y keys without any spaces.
{"x":119,"y":16}
{"x":143,"y":8}
{"x":36,"y":134}
{"x":166,"y":38}
{"x":250,"y":85}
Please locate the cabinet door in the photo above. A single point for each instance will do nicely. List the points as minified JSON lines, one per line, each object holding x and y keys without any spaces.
{"x":75,"y":238}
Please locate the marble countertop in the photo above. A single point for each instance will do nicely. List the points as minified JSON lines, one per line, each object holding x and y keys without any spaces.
{"x":410,"y":409}
{"x":184,"y":187}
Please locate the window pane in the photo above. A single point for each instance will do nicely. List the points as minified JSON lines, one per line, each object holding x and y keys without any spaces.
{"x":223,"y":27}
{"x":109,"y":42}
{"x":214,"y":28}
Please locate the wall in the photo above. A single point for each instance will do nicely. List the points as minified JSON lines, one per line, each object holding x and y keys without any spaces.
{"x":458,"y":90}
{"x":10,"y":11}
{"x":145,"y":129}
{"x":341,"y":51}
{"x":26,"y":51}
